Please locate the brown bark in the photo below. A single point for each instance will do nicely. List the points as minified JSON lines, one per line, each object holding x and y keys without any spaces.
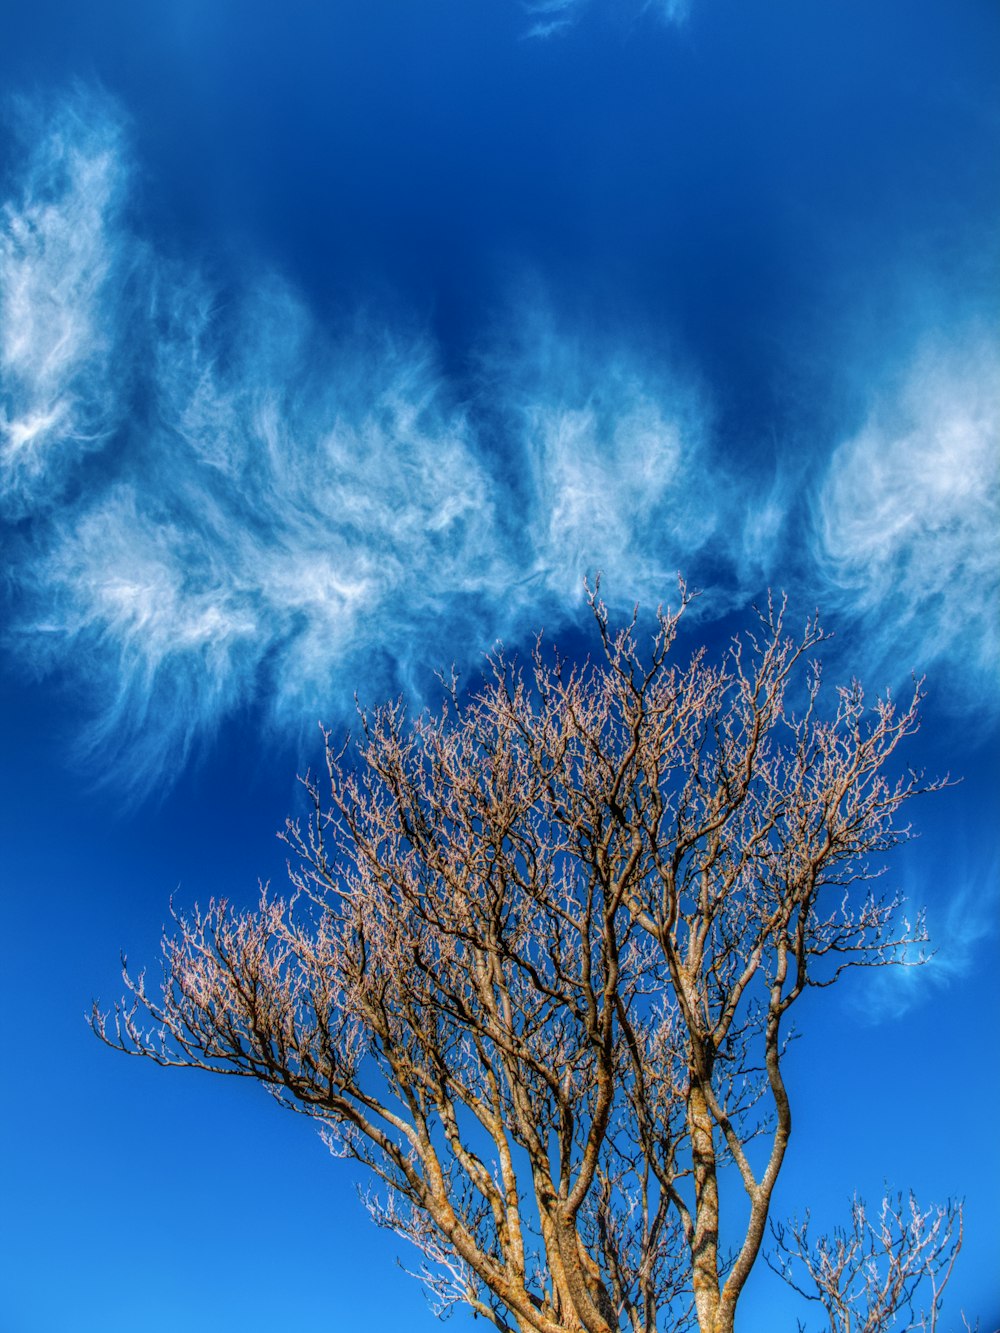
{"x":705,"y":1241}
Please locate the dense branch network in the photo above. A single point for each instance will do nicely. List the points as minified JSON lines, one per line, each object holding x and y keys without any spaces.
{"x":536,"y":964}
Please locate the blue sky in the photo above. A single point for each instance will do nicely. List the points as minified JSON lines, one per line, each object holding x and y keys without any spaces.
{"x":335,"y":346}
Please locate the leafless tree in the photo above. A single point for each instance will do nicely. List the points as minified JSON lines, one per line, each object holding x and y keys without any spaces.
{"x":880,"y":1270}
{"x":536,"y":964}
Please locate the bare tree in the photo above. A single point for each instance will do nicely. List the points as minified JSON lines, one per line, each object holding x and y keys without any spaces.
{"x":535,"y":968}
{"x":868,"y":1276}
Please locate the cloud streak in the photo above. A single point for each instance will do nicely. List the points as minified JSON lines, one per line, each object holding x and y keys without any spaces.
{"x":251,"y":508}
{"x":615,"y":470}
{"x":549,"y":18}
{"x":212,"y":505}
{"x":59,"y":274}
{"x":907,"y":517}
{"x":959,"y":927}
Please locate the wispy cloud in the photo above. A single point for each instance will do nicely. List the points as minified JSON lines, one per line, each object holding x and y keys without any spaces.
{"x":959,"y":928}
{"x":272,"y":532}
{"x":670,"y":11}
{"x":615,"y":471}
{"x":279,"y":514}
{"x":223,"y":503}
{"x":543,"y":28}
{"x":548,"y":18}
{"x":907,"y":518}
{"x":59,"y":282}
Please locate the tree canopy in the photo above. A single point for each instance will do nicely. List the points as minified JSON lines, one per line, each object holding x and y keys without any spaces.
{"x":536,"y":965}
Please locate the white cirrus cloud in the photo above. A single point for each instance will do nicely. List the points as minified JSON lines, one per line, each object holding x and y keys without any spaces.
{"x":252,"y":510}
{"x":907,"y":517}
{"x":271,"y":532}
{"x":59,"y":279}
{"x":300,"y":516}
{"x":614,"y":462}
{"x":962,"y":925}
{"x":287,"y":514}
{"x":548,"y":18}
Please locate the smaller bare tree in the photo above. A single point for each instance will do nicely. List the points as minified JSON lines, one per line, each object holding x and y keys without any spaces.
{"x":878,"y":1270}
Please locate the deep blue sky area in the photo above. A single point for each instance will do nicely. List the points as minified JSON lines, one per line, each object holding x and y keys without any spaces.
{"x":339,"y":342}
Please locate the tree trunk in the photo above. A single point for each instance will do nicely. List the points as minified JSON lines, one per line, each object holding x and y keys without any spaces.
{"x":705,"y":1241}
